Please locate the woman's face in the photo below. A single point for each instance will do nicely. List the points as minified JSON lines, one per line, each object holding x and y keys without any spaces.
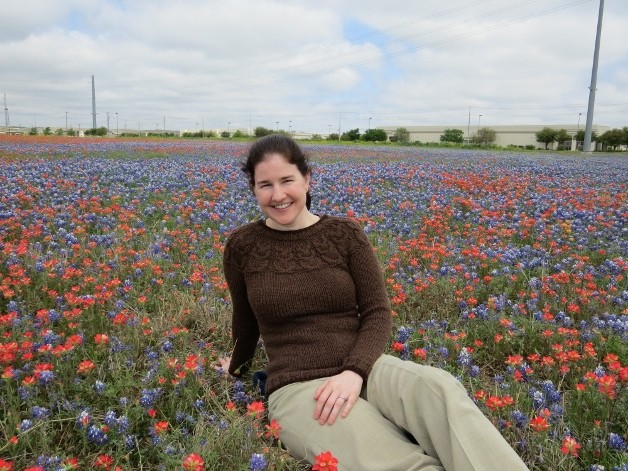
{"x":280,"y":190}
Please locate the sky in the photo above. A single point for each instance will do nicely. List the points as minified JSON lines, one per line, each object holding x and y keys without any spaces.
{"x":311,"y":66}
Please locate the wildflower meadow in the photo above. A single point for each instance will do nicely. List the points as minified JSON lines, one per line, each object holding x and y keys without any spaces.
{"x":507,"y":269}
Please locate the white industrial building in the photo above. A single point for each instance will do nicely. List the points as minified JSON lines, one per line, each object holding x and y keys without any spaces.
{"x":511,"y":135}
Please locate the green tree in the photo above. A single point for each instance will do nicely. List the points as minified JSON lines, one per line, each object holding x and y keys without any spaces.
{"x":563,"y":138}
{"x":624,"y":131}
{"x":352,"y":135}
{"x":402,"y":135}
{"x":225,"y":134}
{"x":240,"y":134}
{"x":71,"y":132}
{"x":485,"y":136}
{"x":317,"y":137}
{"x":452,"y":135}
{"x":374,"y":135}
{"x":47,"y":131}
{"x":580,"y":135}
{"x":261,"y":131}
{"x":546,"y":136}
{"x":332,"y":137}
{"x":33,"y":132}
{"x":59,"y":132}
{"x":612,"y":138}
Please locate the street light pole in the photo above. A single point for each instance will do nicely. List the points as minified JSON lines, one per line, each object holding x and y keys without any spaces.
{"x":370,"y":123}
{"x":117,"y":127}
{"x":579,"y":115}
{"x":277,"y":125}
{"x":479,"y":116}
{"x":588,"y":133}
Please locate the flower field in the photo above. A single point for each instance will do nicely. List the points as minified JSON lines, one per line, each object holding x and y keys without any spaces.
{"x":507,"y":269}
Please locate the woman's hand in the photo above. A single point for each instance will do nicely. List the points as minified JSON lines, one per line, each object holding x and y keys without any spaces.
{"x":223,"y":363}
{"x":338,"y":393}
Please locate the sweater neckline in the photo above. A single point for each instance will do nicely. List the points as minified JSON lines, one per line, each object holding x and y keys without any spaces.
{"x":296,"y":233}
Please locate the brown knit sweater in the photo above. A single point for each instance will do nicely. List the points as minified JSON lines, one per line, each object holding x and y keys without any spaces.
{"x":315,"y":295}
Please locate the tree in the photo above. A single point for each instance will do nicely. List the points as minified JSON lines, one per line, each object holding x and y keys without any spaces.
{"x":261,"y":131}
{"x":332,"y":137}
{"x":624,"y":131}
{"x":563,"y":138}
{"x":546,"y":136}
{"x":239,"y":133}
{"x":402,"y":135}
{"x":580,"y":135}
{"x":101,"y":131}
{"x":71,"y":132}
{"x":373,"y":135}
{"x":612,"y":138}
{"x":317,"y":137}
{"x":485,"y":136}
{"x":353,"y":135}
{"x":59,"y":132}
{"x":33,"y":132}
{"x":47,"y":131}
{"x":452,"y":135}
{"x":225,"y":134}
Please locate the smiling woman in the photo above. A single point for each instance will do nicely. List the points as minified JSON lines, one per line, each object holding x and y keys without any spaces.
{"x":312,"y":288}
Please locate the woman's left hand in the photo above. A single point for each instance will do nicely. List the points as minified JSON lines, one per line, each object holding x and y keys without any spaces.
{"x":338,"y":393}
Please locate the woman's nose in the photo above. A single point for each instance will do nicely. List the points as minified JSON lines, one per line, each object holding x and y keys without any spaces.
{"x":278,"y":193}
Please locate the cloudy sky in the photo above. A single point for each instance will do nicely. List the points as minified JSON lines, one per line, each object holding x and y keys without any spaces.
{"x":311,"y":65}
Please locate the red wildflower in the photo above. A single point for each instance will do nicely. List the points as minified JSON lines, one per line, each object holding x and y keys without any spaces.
{"x":570,"y":446}
{"x":255,"y":408}
{"x":103,"y":462}
{"x":420,"y":353}
{"x":6,"y":465}
{"x":514,"y":360}
{"x":539,"y":424}
{"x":193,"y":462}
{"x":273,"y":429}
{"x":325,"y":462}
{"x":70,"y":463}
{"x":161,"y":427}
{"x":101,"y":339}
{"x":397,"y":347}
{"x":85,"y":366}
{"x":606,"y":385}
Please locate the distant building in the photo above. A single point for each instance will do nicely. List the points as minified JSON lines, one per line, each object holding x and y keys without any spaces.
{"x":511,"y":135}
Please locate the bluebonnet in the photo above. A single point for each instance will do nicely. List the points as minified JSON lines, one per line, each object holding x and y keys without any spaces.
{"x":616,"y":442}
{"x":40,"y":413}
{"x":520,"y":418}
{"x":257,"y":462}
{"x":149,"y":396}
{"x":25,"y":425}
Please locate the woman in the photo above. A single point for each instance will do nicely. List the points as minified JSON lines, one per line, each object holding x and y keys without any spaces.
{"x":313,"y":289}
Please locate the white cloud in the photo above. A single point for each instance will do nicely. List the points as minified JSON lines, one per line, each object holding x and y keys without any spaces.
{"x":244,"y":60}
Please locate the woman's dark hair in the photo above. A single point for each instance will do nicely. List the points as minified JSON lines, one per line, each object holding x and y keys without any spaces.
{"x":277,"y":144}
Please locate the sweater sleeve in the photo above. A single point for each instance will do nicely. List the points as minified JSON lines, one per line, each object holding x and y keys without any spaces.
{"x":373,"y":306}
{"x":245,"y":329}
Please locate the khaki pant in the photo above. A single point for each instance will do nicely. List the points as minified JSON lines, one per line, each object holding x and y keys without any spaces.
{"x":404,"y":403}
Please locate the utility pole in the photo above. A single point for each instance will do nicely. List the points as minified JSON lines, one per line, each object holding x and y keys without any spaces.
{"x":6,"y":113}
{"x":469,"y":127}
{"x":93,"y":104}
{"x":66,"y":121}
{"x":596,"y":54}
